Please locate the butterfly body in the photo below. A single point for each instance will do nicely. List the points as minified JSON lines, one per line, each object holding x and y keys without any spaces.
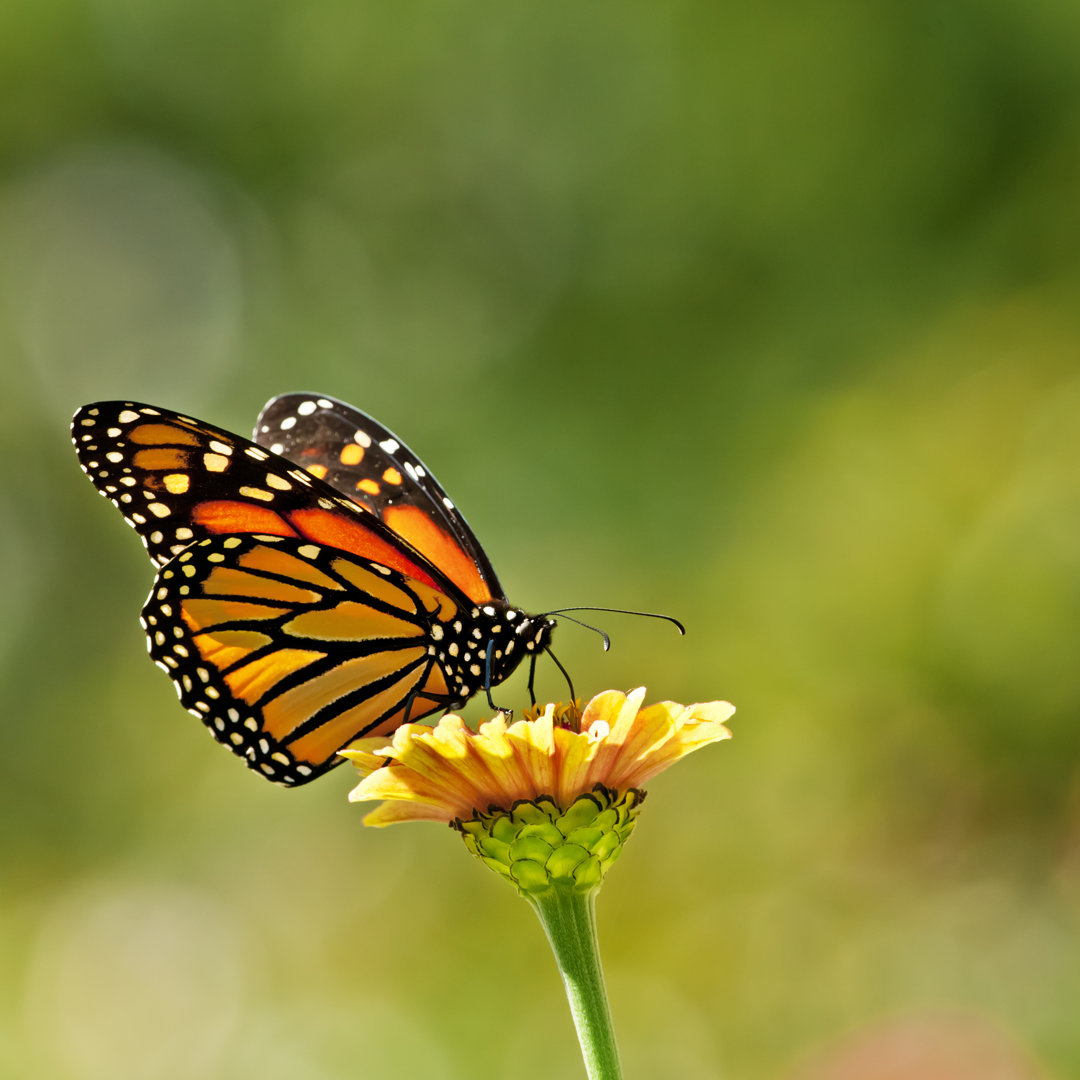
{"x":303,"y":599}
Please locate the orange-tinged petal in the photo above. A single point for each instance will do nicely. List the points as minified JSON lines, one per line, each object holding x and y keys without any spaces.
{"x":398,"y":783}
{"x":391,"y":813}
{"x":693,"y":730}
{"x":502,"y":761}
{"x":534,"y":742}
{"x":577,"y":751}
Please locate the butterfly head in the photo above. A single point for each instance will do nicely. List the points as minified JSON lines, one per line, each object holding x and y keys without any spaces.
{"x":533,"y":631}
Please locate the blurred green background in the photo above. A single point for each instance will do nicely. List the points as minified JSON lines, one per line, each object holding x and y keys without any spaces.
{"x":763,"y":315}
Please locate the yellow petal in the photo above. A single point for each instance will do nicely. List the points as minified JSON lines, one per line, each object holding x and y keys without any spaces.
{"x":449,"y":773}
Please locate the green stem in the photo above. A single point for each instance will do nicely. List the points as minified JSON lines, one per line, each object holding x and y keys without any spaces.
{"x":569,"y":920}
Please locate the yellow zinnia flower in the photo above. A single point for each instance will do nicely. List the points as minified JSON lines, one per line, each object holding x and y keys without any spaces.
{"x":449,"y":773}
{"x":543,"y":801}
{"x":547,"y":802}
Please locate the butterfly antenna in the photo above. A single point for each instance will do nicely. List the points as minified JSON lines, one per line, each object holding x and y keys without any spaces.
{"x":566,"y":674}
{"x":588,"y":626}
{"x":620,"y":611}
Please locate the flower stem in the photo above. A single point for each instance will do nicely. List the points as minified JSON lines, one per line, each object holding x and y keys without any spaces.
{"x":569,"y":920}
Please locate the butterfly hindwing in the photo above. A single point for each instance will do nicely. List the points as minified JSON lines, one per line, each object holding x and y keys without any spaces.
{"x":288,"y":650}
{"x":367,"y":463}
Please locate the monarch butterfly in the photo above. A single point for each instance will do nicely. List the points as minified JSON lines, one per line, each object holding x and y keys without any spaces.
{"x":314,"y":586}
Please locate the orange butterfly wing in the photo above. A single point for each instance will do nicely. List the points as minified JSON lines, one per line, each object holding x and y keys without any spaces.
{"x":293,"y":619}
{"x":177,"y":480}
{"x":288,"y":650}
{"x":368,"y":463}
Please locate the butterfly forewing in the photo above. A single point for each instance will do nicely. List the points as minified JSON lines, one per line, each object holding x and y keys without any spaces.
{"x":288,"y":650}
{"x":177,"y":480}
{"x":365,"y":461}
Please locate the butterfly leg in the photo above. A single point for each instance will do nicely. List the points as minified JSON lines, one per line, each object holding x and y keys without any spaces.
{"x":566,"y":674}
{"x":411,"y":700}
{"x":532,"y":676}
{"x":487,"y":679}
{"x":447,"y":703}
